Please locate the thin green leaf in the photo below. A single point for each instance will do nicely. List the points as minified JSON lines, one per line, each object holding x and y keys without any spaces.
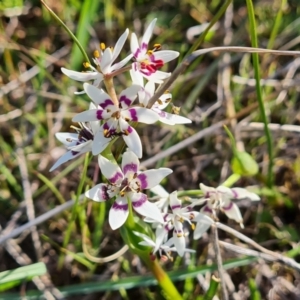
{"x":14,"y":277}
{"x":134,"y":282}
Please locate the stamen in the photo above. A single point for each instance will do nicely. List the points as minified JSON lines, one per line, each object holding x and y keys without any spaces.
{"x":150,"y":52}
{"x":156,"y":47}
{"x":102,"y":46}
{"x":96,"y":54}
{"x":175,"y":110}
{"x":193,"y":226}
{"x":86,"y":65}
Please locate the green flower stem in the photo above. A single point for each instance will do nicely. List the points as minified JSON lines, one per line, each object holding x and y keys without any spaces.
{"x":254,"y":43}
{"x":73,"y":37}
{"x":127,"y":232}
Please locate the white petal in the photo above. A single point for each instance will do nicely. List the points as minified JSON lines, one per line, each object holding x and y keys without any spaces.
{"x":203,"y":224}
{"x":83,"y":147}
{"x":100,"y":142}
{"x":140,"y":114}
{"x":134,"y":44}
{"x":200,"y":229}
{"x":157,"y":77}
{"x":87,"y":116}
{"x":132,"y":140}
{"x":136,"y":77}
{"x":159,"y":191}
{"x":97,"y":95}
{"x":106,"y":61}
{"x":172,"y":119}
{"x":151,"y":178}
{"x":128,"y":95}
{"x":175,"y":203}
{"x":98,"y":193}
{"x":119,"y":45}
{"x":82,"y":76}
{"x":240,"y":193}
{"x":118,"y":213}
{"x":233,"y":212}
{"x":145,"y":208}
{"x":166,"y":55}
{"x":179,"y":242}
{"x":121,"y":63}
{"x":67,"y":138}
{"x":130,"y":163}
{"x":110,"y":170}
{"x":161,"y":235}
{"x":64,"y":158}
{"x":95,"y":126}
{"x":148,"y":33}
{"x":207,"y":190}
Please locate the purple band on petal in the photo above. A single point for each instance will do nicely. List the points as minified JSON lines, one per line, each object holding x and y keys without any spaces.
{"x":99,"y":114}
{"x":106,"y":103}
{"x":133,"y":114}
{"x":206,"y":209}
{"x":129,"y":129}
{"x":173,"y":207}
{"x":161,"y":113}
{"x":102,"y":192}
{"x":117,"y":206}
{"x":144,"y":46}
{"x":130,"y":167}
{"x":124,"y":99}
{"x":137,"y":52}
{"x":140,"y":202}
{"x":116,"y":177}
{"x":74,"y":152}
{"x":143,"y":180}
{"x":228,"y":207}
{"x":168,"y":227}
{"x":235,"y":194}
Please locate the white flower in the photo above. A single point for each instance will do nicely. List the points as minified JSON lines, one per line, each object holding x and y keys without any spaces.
{"x":221,"y":196}
{"x":77,"y":143}
{"x":166,"y":247}
{"x":173,"y":222}
{"x":147,"y":92}
{"x":125,"y":184}
{"x":116,"y":118}
{"x":104,"y":60}
{"x":147,"y":62}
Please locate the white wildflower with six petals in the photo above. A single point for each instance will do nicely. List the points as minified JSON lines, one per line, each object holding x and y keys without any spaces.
{"x":126,"y":184}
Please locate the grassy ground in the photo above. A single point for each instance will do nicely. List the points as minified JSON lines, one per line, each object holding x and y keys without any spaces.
{"x":37,"y":100}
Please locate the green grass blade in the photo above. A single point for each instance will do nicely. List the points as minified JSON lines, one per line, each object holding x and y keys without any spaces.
{"x":136,"y":281}
{"x":254,"y":42}
{"x":11,"y":278}
{"x":88,"y":12}
{"x":254,"y":292}
{"x":68,"y":30}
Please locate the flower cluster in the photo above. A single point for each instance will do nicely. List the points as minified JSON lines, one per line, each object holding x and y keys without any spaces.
{"x":111,"y":116}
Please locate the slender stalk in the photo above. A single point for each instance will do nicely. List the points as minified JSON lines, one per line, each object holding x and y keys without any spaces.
{"x":109,"y":84}
{"x":213,"y":21}
{"x":187,"y":61}
{"x":169,"y":289}
{"x":219,"y":262}
{"x":254,"y":43}
{"x":53,"y":14}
